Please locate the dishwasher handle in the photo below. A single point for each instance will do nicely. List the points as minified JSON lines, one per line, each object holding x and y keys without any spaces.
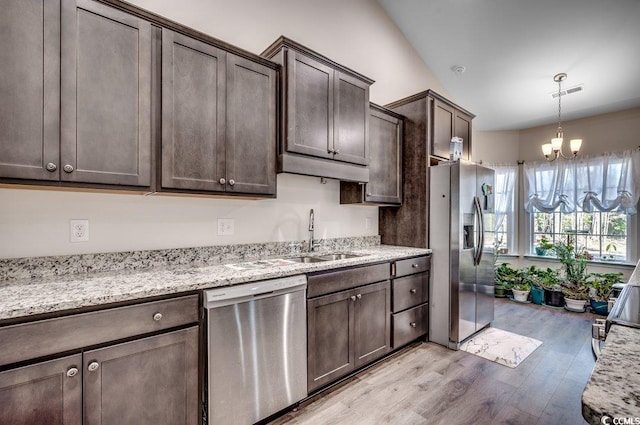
{"x":229,"y":295}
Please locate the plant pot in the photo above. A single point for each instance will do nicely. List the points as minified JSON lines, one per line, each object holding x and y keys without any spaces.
{"x":520,"y":296}
{"x":537,"y":295}
{"x":499,"y":291}
{"x":540,"y":251}
{"x":575,"y":305}
{"x":600,"y":307}
{"x":553,"y":298}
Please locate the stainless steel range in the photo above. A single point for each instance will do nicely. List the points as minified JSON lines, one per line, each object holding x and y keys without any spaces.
{"x":625,"y":312}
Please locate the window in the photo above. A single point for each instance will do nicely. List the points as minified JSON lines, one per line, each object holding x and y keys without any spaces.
{"x":500,"y":227}
{"x":603,"y":235}
{"x":589,"y":202}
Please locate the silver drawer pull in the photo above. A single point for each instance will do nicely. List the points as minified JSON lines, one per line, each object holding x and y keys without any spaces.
{"x":52,"y":167}
{"x":68,"y":168}
{"x":232,"y":182}
{"x":413,"y":291}
{"x":157,"y":317}
{"x":93,"y":366}
{"x":359,"y":296}
{"x":353,"y":297}
{"x":222,"y":180}
{"x":413,"y":324}
{"x":414,"y":265}
{"x":73,"y":371}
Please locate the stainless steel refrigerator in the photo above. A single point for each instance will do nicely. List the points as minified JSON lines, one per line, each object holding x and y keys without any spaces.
{"x":461,"y":292}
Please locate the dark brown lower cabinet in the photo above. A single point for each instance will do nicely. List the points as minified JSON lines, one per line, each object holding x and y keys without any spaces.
{"x":150,"y":381}
{"x":346,"y":330}
{"x":47,"y":393}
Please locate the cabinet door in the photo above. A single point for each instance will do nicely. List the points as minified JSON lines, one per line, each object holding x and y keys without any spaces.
{"x":330,"y":339}
{"x":150,"y":381}
{"x":106,"y":95}
{"x":351,"y":111}
{"x":30,"y":87}
{"x":193,"y":114}
{"x":310,"y":106}
{"x":44,"y":393}
{"x":372,"y":322}
{"x":462,"y":128}
{"x":251,"y":127}
{"x":385,"y":161}
{"x":442,"y":129}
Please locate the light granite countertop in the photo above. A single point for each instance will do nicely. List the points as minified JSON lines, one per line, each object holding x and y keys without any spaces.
{"x":614,"y":387}
{"x":25,"y":297}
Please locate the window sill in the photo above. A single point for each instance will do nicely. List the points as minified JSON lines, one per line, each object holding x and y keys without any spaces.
{"x":594,"y":262}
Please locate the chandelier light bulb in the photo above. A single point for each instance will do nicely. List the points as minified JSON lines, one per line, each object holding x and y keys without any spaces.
{"x":546,"y":149}
{"x":556,"y":144}
{"x":576,"y":144}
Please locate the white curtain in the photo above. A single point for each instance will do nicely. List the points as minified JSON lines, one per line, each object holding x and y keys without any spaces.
{"x":504,"y":188}
{"x":605,"y":183}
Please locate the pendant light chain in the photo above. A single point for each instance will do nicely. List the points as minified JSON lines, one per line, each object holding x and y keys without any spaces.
{"x":559,"y":109}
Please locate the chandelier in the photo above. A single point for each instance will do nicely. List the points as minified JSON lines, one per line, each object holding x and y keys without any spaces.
{"x":553,"y":150}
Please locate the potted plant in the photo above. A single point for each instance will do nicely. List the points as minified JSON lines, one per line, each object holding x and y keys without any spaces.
{"x":506,"y":276}
{"x":602,"y":284}
{"x":576,"y":296}
{"x":541,"y":280}
{"x":610,"y":249}
{"x":544,"y":245}
{"x":521,"y":291}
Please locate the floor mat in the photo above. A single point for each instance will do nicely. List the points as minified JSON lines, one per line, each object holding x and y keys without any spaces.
{"x":505,"y":348}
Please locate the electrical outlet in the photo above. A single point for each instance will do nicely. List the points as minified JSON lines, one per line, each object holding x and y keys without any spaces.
{"x":225,"y":226}
{"x":79,"y":230}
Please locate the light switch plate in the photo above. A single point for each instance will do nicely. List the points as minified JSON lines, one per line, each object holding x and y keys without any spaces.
{"x":225,"y":226}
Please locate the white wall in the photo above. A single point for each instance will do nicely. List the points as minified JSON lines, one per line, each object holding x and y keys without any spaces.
{"x":613,"y":132}
{"x":496,"y":147}
{"x":36,"y":222}
{"x":356,"y":33}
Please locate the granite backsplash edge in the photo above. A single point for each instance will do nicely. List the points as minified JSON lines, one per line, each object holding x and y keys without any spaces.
{"x":43,"y":267}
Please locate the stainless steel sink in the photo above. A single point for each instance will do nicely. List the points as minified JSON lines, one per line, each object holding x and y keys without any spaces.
{"x":307,"y":259}
{"x":338,"y":256}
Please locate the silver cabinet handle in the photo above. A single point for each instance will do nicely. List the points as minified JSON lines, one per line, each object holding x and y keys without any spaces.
{"x":414,"y":265}
{"x":93,"y":366}
{"x":157,"y":317}
{"x":52,"y":167}
{"x":368,"y":193}
{"x":232,"y":182}
{"x":353,"y":297}
{"x":413,"y":291}
{"x":413,"y":324}
{"x":336,"y":151}
{"x":222,"y":180}
{"x":73,"y":371}
{"x":68,"y":168}
{"x":330,"y":150}
{"x":359,"y":296}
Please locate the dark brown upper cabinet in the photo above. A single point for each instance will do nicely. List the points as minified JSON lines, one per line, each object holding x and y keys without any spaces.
{"x":430,"y":122}
{"x":449,"y":120}
{"x":325,"y":114}
{"x":30,"y":87}
{"x":76,"y":84}
{"x":218,"y":119}
{"x":105,"y":95}
{"x":385,"y":162}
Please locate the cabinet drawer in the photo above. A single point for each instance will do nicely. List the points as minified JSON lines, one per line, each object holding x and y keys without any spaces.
{"x":30,"y":340}
{"x":410,"y":291}
{"x":412,"y":266}
{"x":410,"y":325}
{"x":340,"y":280}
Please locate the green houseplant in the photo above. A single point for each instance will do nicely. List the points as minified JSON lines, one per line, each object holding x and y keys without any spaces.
{"x":541,"y":280}
{"x":544,"y":246}
{"x":575,"y":288}
{"x":601,"y":286}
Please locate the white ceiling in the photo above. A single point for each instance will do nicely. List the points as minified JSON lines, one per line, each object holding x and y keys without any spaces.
{"x":512,"y":49}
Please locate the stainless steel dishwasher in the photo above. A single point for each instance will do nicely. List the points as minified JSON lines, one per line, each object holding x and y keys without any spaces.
{"x":257,"y":349}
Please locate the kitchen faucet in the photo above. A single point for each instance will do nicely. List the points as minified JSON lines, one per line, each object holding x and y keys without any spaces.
{"x":312,"y":245}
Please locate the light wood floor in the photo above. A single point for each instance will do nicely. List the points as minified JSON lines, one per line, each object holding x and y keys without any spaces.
{"x":430,"y":384}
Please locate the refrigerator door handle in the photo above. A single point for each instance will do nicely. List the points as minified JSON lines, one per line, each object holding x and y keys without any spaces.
{"x":481,"y":232}
{"x":479,"y":238}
